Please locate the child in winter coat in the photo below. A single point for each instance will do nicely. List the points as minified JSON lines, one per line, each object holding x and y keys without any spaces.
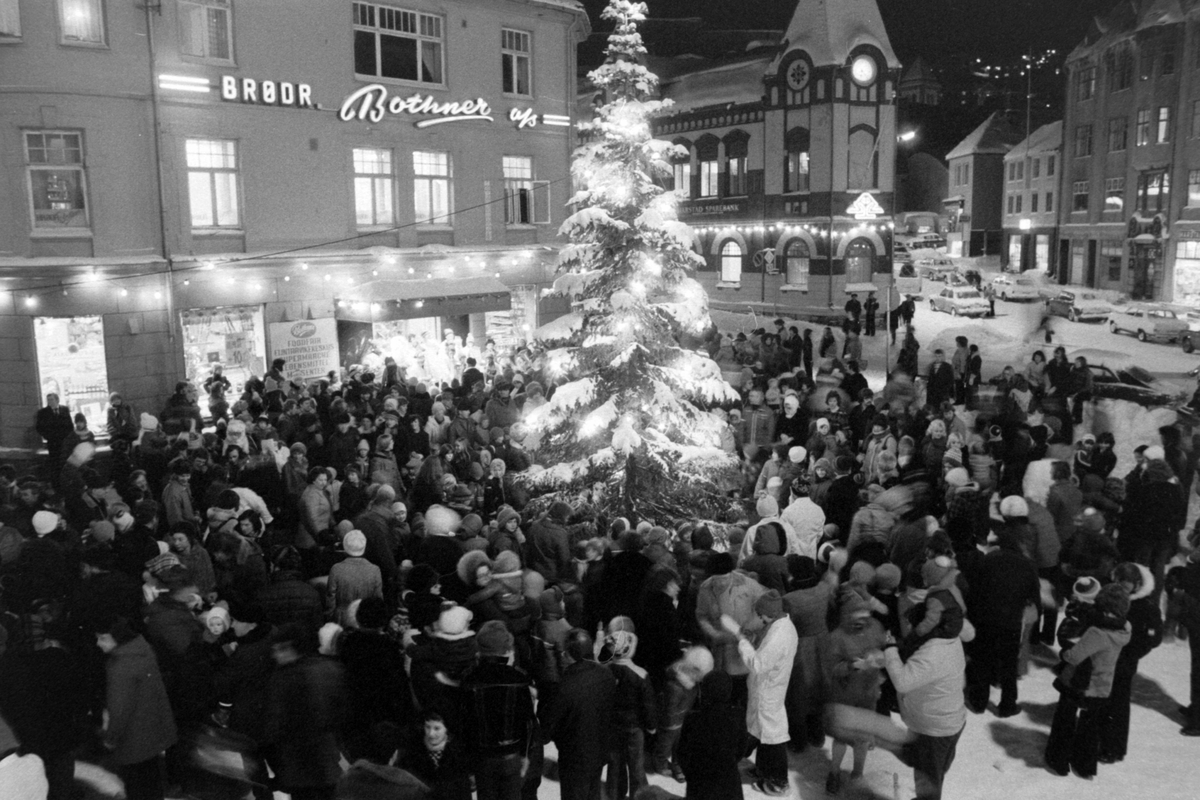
{"x":942,"y":613}
{"x":634,"y":713}
{"x":854,"y":662}
{"x":679,"y":695}
{"x":1085,"y":682}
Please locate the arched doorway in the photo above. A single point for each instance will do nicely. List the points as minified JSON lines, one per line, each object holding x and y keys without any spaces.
{"x":731,"y":262}
{"x":859,"y":260}
{"x":796,"y":260}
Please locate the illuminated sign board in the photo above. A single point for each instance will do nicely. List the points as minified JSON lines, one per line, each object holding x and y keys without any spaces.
{"x":373,"y":102}
{"x":244,"y":90}
{"x":865,"y":207}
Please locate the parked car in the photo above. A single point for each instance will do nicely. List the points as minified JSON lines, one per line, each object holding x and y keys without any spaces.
{"x":1079,"y":306}
{"x":1191,"y":316}
{"x":1014,"y":287}
{"x":1117,"y":376}
{"x":935,"y":269}
{"x":963,"y":301}
{"x":901,"y":253}
{"x":1148,"y":322}
{"x":926,"y":241}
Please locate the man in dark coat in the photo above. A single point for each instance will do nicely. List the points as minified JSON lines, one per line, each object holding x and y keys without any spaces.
{"x":288,"y":597}
{"x":54,"y":424}
{"x":376,"y":524}
{"x":306,"y":696}
{"x":580,"y":720}
{"x":842,"y":500}
{"x":870,"y":314}
{"x":548,"y":545}
{"x":1155,"y":511}
{"x":940,"y":383}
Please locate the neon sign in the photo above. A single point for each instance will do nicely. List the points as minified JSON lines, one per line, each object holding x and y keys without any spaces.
{"x":373,"y":102}
{"x":267,"y":93}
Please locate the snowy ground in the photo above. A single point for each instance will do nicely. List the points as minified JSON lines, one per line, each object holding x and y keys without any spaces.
{"x":1001,"y":759}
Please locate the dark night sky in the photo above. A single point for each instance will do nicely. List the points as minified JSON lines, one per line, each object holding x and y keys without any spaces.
{"x":943,"y":31}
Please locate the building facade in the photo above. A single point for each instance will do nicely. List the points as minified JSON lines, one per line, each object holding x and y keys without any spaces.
{"x":186,"y":184}
{"x":977,"y":177}
{"x":1130,"y":216}
{"x":791,"y":158}
{"x":1031,"y":197}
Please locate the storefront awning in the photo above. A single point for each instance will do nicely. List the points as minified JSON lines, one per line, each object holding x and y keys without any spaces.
{"x":388,"y":300}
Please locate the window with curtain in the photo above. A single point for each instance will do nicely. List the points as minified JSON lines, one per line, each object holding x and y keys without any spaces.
{"x":212,"y":183}
{"x":81,"y":21}
{"x":797,"y":169}
{"x":397,"y":43}
{"x":731,"y":262}
{"x":57,"y":185}
{"x":682,"y":171}
{"x":515,"y":57}
{"x":205,"y":29}
{"x":374,"y":187}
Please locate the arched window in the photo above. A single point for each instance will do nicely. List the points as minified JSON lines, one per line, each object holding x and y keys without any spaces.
{"x":859,"y":261}
{"x":796,"y":164}
{"x":796,"y":258}
{"x":862,"y":159}
{"x":731,"y":262}
{"x":737,"y":147}
{"x":681,"y":167}
{"x":707,"y":165}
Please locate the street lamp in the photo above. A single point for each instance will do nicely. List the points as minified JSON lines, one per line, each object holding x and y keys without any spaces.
{"x":906,"y":136}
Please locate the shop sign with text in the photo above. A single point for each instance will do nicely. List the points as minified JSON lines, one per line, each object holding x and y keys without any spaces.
{"x":373,"y":102}
{"x":309,"y":346}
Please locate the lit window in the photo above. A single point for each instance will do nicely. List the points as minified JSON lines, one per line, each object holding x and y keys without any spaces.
{"x":57,"y":186}
{"x":10,"y":19}
{"x":205,"y":29}
{"x":735,"y":171}
{"x":395,"y":43}
{"x":212,"y":183}
{"x":683,"y":179}
{"x":1193,"y":198}
{"x":797,"y":259}
{"x":1114,"y":194}
{"x":71,"y":363}
{"x":527,"y":201}
{"x":731,"y":263}
{"x":431,"y":187}
{"x":514,"y":61}
{"x":1079,"y":194}
{"x":1143,"y":127}
{"x":373,"y":187}
{"x":797,"y":171}
{"x":81,"y":21}
{"x":709,"y":178}
{"x":1164,"y":124}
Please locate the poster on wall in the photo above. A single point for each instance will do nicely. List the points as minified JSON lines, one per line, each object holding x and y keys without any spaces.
{"x":309,"y":346}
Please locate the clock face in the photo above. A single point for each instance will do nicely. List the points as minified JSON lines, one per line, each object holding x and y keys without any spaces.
{"x":863,"y":70}
{"x":797,"y":75}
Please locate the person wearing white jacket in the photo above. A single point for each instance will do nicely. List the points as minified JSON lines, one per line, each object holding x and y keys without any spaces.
{"x":770,"y":666}
{"x":930,"y":690}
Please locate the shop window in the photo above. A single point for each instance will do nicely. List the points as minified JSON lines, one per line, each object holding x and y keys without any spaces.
{"x":57,"y":182}
{"x":1079,"y":196}
{"x":709,"y":178}
{"x":1014,"y":251}
{"x":1110,"y":255}
{"x":515,"y":68}
{"x":527,"y":202}
{"x":396,"y":43}
{"x":431,"y":187}
{"x":1143,"y":127}
{"x":1041,"y":252}
{"x":10,"y":19}
{"x":1085,"y":83}
{"x":1114,"y":194}
{"x":859,"y":261}
{"x":212,"y":183}
{"x":1193,"y":196}
{"x":206,"y":29}
{"x":71,"y":363}
{"x":1083,"y":141}
{"x":231,"y":336}
{"x":1154,"y":192}
{"x":797,"y":260}
{"x":81,"y":21}
{"x":1164,"y":124}
{"x":1187,"y":272}
{"x":731,"y":263}
{"x":1078,"y":257}
{"x":1118,"y":132}
{"x":682,"y":171}
{"x":373,"y":187}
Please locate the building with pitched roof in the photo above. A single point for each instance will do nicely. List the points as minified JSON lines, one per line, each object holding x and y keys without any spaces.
{"x":919,"y":85}
{"x":973,"y":207}
{"x":1031,"y":201}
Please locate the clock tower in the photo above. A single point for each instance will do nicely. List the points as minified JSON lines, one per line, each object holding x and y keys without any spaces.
{"x":830,"y":119}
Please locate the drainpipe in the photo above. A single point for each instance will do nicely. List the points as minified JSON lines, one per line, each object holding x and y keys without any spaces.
{"x":156,"y":5}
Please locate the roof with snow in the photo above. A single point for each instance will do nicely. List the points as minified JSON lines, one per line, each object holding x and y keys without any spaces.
{"x":735,"y":81}
{"x":995,"y":135}
{"x":1046,"y":139}
{"x":829,"y":29}
{"x":918,"y":72}
{"x":1129,"y":17}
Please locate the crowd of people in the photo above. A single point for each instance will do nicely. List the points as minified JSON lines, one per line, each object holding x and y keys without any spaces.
{"x":351,"y":572}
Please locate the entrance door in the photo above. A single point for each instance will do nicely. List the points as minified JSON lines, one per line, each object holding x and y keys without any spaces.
{"x":859,"y":261}
{"x":1140,"y":265}
{"x":1064,"y":260}
{"x":1091,"y":264}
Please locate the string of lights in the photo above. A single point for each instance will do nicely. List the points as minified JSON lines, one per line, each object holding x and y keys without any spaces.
{"x":31,"y":293}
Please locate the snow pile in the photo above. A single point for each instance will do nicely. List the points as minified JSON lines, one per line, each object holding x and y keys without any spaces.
{"x":1130,"y":424}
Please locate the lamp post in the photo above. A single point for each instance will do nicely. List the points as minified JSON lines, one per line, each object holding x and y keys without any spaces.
{"x":901,"y":138}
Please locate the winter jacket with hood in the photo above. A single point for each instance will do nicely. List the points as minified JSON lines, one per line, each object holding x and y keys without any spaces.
{"x":734,"y":594}
{"x":1088,"y":665}
{"x":1155,"y":508}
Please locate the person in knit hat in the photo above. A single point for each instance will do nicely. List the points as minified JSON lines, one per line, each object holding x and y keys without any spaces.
{"x":854,"y":662}
{"x":770,"y":668}
{"x":944,"y":609}
{"x":439,"y":660}
{"x":768,"y":562}
{"x":507,"y":533}
{"x":470,"y":533}
{"x":635,"y":712}
{"x":353,"y":578}
{"x":679,"y":695}
{"x":1074,"y":743}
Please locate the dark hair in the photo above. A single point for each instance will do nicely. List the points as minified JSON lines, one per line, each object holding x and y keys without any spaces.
{"x":383,"y":742}
{"x":372,"y":612}
{"x":115,"y":626}
{"x":720,"y":564}
{"x":579,"y":645}
{"x":317,"y":472}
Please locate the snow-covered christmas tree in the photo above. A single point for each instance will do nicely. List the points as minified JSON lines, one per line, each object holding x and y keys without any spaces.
{"x":632,"y":411}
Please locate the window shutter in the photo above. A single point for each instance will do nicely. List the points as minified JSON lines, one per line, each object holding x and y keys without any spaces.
{"x":541,"y":202}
